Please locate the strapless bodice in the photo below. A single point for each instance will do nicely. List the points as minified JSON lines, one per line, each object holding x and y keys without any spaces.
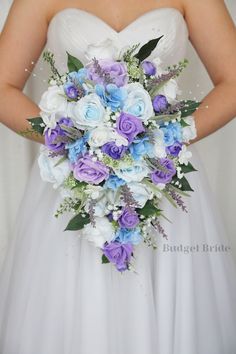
{"x":73,"y":29}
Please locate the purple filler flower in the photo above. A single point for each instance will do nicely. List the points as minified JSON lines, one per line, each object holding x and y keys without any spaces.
{"x":148,"y":68}
{"x":129,"y":219}
{"x":114,"y":151}
{"x":129,"y":126}
{"x":116,"y":70}
{"x":166,"y":175}
{"x":119,"y":254}
{"x":174,"y":149}
{"x":159,"y":103}
{"x":87,"y":170}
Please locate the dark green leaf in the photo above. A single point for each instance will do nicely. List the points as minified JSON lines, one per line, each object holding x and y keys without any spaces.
{"x":185,"y":186}
{"x":188,"y":168}
{"x":73,"y":63}
{"x":37,"y":124}
{"x":147,"y":48}
{"x":105,"y":259}
{"x":149,"y":209}
{"x":77,"y":222}
{"x":189,"y":107}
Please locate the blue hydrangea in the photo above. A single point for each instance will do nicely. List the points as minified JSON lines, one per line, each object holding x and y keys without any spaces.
{"x":111,"y":96}
{"x":78,"y":77}
{"x":141,"y":147}
{"x":172,"y":133}
{"x":76,"y":148}
{"x":128,"y":235}
{"x":114,"y":182}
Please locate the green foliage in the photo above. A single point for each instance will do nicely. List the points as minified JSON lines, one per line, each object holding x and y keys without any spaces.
{"x":105,"y":259}
{"x":77,"y":222}
{"x":189,"y":107}
{"x":147,"y":49}
{"x":149,"y":209}
{"x":185,"y":186}
{"x":73,"y":63}
{"x":37,"y":124}
{"x":188,"y":168}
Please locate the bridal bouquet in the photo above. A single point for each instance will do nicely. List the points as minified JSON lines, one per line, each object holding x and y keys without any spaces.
{"x":115,"y":145}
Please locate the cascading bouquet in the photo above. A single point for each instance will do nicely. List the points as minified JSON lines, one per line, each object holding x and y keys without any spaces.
{"x":115,"y":145}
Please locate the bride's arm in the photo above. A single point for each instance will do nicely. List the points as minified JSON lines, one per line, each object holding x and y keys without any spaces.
{"x":213,"y":34}
{"x":21,"y":42}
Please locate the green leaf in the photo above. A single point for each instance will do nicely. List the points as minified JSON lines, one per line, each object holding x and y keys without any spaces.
{"x":37,"y":124}
{"x":105,"y":259}
{"x":77,"y":222}
{"x":73,"y":63}
{"x":188,"y":168}
{"x":146,"y":49}
{"x":185,"y":186}
{"x":149,"y":209}
{"x":189,"y":107}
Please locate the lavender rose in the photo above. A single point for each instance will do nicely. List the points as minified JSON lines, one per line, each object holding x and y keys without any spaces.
{"x":52,"y":137}
{"x":148,"y":68}
{"x":129,"y":219}
{"x":164,"y":176}
{"x":117,"y":71}
{"x":71,"y":90}
{"x":119,"y":254}
{"x":159,"y":103}
{"x":174,"y":149}
{"x":129,"y":126}
{"x":114,"y":151}
{"x":90,"y":171}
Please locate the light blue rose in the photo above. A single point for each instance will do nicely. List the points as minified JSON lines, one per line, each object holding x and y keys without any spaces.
{"x":114,"y":182}
{"x":111,"y":96}
{"x":75,"y":149}
{"x":88,"y":111}
{"x":141,"y":147}
{"x":134,"y":173}
{"x":125,"y":236}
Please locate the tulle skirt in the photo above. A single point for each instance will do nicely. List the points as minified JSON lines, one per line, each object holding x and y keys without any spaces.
{"x":56,"y":297}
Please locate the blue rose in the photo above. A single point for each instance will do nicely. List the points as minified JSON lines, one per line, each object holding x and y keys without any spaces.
{"x":114,"y":182}
{"x":124,"y":235}
{"x":111,"y":96}
{"x":141,"y":147}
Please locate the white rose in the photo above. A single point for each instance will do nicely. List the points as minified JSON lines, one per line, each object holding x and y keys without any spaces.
{"x":103,"y":50}
{"x":189,"y":132}
{"x":159,"y":149}
{"x":138,"y":101}
{"x":53,"y":100}
{"x":141,"y":193}
{"x":134,"y":173}
{"x":51,"y":173}
{"x":184,"y":155}
{"x":103,"y":198}
{"x":98,"y":235}
{"x":170,"y":90}
{"x":87,"y":112}
{"x":102,"y":135}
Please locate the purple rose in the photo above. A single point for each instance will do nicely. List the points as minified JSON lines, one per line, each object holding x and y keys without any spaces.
{"x":174,"y":149}
{"x":87,"y":170}
{"x":117,"y":71}
{"x":129,"y":126}
{"x":148,"y":67}
{"x":71,"y":90}
{"x":119,"y":254}
{"x":164,"y":175}
{"x":114,"y":151}
{"x":159,"y":103}
{"x":129,"y":219}
{"x":52,"y":140}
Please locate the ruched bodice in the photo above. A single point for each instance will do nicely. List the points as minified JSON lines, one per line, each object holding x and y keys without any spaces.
{"x":74,"y":29}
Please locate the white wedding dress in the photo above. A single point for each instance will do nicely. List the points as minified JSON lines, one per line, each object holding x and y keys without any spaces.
{"x":55,"y":295}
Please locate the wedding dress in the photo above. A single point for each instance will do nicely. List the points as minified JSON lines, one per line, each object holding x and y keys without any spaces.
{"x":55,"y":295}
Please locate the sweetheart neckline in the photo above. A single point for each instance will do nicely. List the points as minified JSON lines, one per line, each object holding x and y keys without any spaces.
{"x":147,"y":13}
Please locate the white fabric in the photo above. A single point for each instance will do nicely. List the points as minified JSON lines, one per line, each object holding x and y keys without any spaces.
{"x":57,"y":297}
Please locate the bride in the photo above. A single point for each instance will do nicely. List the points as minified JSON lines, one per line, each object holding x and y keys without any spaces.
{"x":55,"y":295}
